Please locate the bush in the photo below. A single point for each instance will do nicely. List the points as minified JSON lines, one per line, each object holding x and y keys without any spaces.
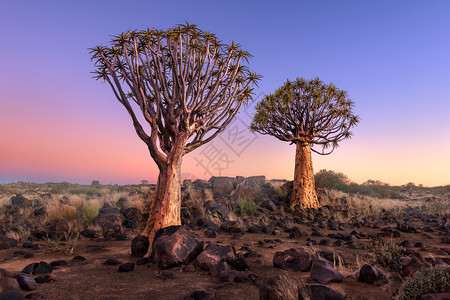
{"x":246,"y":207}
{"x":90,"y":212}
{"x":330,"y":180}
{"x":387,"y":254}
{"x":433,"y":280}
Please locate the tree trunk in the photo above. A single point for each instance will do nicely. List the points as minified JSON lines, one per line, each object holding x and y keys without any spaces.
{"x":166,"y":203}
{"x":304,"y":191}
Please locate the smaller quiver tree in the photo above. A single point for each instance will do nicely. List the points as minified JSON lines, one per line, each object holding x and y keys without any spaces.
{"x":186,"y":86}
{"x":312,"y":115}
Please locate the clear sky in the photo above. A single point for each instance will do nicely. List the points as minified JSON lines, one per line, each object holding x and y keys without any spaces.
{"x":393,"y":58}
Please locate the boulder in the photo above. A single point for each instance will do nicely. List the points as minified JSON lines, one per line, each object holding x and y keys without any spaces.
{"x":42,"y":268}
{"x":333,"y":257}
{"x":139,"y":246}
{"x":7,"y":242}
{"x":11,"y":295}
{"x":19,"y":200}
{"x":369,"y":274}
{"x":175,"y":245}
{"x":222,"y":185}
{"x":323,"y":271}
{"x":26,"y":282}
{"x":269,"y":205}
{"x":126,"y":267}
{"x":294,"y":259}
{"x":203,"y":294}
{"x":213,"y":254}
{"x":318,"y":292}
{"x":110,"y":220}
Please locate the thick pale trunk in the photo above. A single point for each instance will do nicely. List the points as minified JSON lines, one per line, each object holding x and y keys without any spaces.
{"x":166,"y":203}
{"x":304,"y":192}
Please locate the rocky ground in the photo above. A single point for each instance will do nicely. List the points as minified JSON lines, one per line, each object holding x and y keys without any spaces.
{"x":238,"y":241}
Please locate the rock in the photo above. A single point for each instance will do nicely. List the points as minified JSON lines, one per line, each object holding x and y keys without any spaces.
{"x":213,"y":254}
{"x":254,"y":279}
{"x":43,"y":278}
{"x":333,"y":257}
{"x":29,"y":268}
{"x":323,"y":271}
{"x":139,"y":246}
{"x":188,"y":268}
{"x":318,"y":292}
{"x":42,"y":268}
{"x":175,"y":245}
{"x":203,"y":294}
{"x":325,"y":242}
{"x":239,"y":264}
{"x":110,"y":219}
{"x":254,"y":229}
{"x":369,"y":274}
{"x":219,"y":268}
{"x":294,"y":259}
{"x":11,"y":295}
{"x":414,"y":265}
{"x":112,"y":262}
{"x":78,"y":258}
{"x":7,"y":284}
{"x":19,"y":200}
{"x":26,"y":282}
{"x":269,"y":205}
{"x":278,"y":288}
{"x":166,"y":275}
{"x":7,"y":242}
{"x":59,"y":263}
{"x":268,"y":229}
{"x":211,"y":233}
{"x":222,"y":185}
{"x":295,"y":233}
{"x":34,"y":296}
{"x":126,"y":267}
{"x":40,"y":212}
{"x":38,"y":234}
{"x":132,"y":214}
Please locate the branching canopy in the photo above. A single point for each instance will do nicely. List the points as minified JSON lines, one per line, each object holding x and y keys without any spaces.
{"x":187,"y":85}
{"x":306,"y":111}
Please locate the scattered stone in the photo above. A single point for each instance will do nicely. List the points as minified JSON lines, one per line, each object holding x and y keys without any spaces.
{"x":78,"y":258}
{"x":44,"y":278}
{"x":89,"y":233}
{"x":126,"y":267}
{"x":188,"y":268}
{"x":269,"y":205}
{"x":294,"y":259}
{"x":318,"y":292}
{"x":369,"y":274}
{"x":278,"y":288}
{"x":175,"y":245}
{"x":295,"y":233}
{"x":254,"y":279}
{"x":42,"y":268}
{"x":333,"y":257}
{"x":139,"y":246}
{"x":239,"y":264}
{"x":211,"y":233}
{"x":112,"y":262}
{"x":4,"y":273}
{"x":34,"y":296}
{"x":28,"y":255}
{"x":203,"y":294}
{"x":323,"y":271}
{"x":19,"y":200}
{"x":435,"y":296}
{"x":219,"y":268}
{"x":59,"y":263}
{"x":213,"y":254}
{"x":29,"y":268}
{"x":26,"y":282}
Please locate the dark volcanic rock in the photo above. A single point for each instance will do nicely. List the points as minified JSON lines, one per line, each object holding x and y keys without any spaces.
{"x":44,"y":278}
{"x":270,"y":289}
{"x":126,"y":267}
{"x":166,"y":275}
{"x":89,"y":233}
{"x":112,"y":262}
{"x":435,"y":296}
{"x":213,"y":254}
{"x":26,"y":282}
{"x":34,"y":296}
{"x":369,"y":274}
{"x":333,"y":257}
{"x":323,"y":271}
{"x":295,"y":233}
{"x":78,"y":258}
{"x":141,"y":261}
{"x":11,"y":295}
{"x":175,"y":245}
{"x":319,"y":292}
{"x":295,"y":259}
{"x":269,"y":205}
{"x":59,"y":263}
{"x":239,"y":264}
{"x":19,"y":200}
{"x":203,"y":294}
{"x":42,"y":268}
{"x":139,"y":246}
{"x":29,"y":268}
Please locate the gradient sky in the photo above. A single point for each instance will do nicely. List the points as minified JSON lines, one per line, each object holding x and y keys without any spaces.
{"x":393,"y":58}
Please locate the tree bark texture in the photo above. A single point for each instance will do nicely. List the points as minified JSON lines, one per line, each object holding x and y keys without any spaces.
{"x":304,"y":192}
{"x":166,"y":203}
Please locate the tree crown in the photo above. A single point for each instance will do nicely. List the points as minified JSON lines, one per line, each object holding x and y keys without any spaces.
{"x":306,"y":111}
{"x":183,"y":81}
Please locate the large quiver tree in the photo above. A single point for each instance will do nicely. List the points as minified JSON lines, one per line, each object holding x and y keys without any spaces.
{"x":312,"y":115}
{"x":181,"y":87}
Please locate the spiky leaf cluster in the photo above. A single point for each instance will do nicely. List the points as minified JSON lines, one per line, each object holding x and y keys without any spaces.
{"x":183,"y":80}
{"x":306,"y":111}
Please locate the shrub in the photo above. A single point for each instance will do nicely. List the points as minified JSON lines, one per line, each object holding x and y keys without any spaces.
{"x":246,"y":207}
{"x":433,"y":280}
{"x":90,"y":212}
{"x":388,"y":254}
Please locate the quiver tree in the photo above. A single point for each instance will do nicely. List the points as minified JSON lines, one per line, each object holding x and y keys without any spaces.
{"x":312,"y":115}
{"x":181,"y":87}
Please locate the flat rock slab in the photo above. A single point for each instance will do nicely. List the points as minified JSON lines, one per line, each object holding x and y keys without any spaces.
{"x":294,"y":259}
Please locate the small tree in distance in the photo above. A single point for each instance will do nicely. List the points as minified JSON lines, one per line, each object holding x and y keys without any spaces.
{"x":309,"y":114}
{"x":186,"y":86}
